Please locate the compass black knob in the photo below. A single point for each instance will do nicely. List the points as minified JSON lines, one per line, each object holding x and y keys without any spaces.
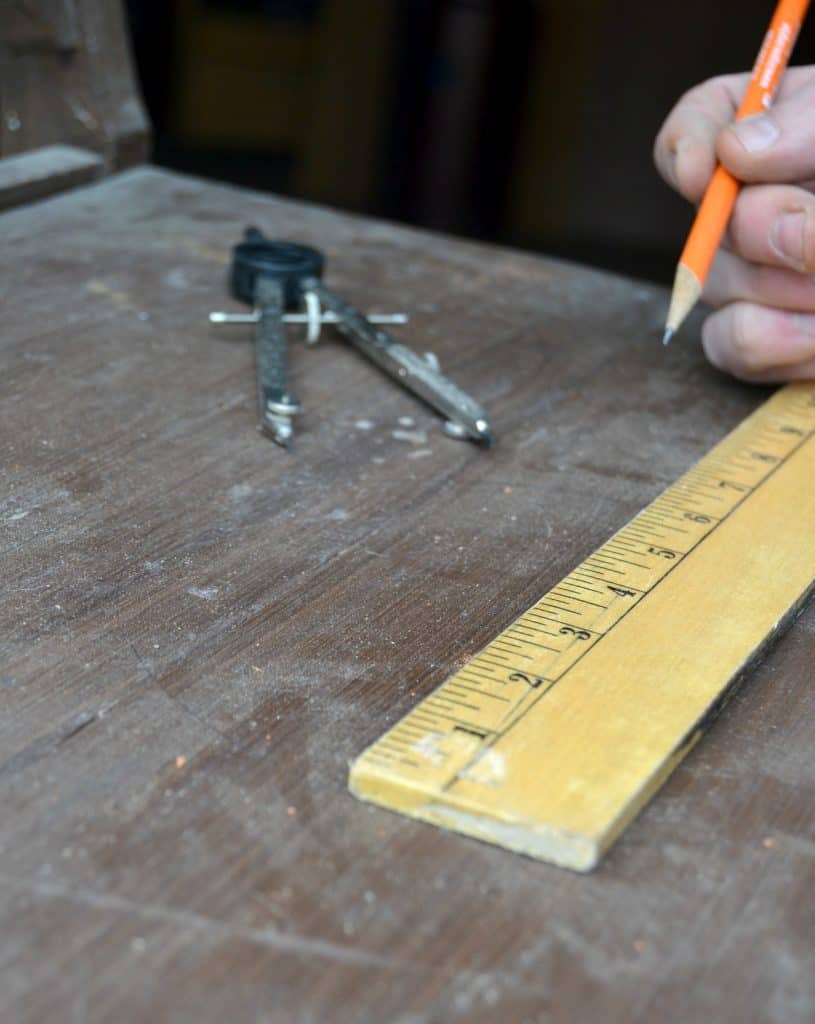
{"x":287,"y":262}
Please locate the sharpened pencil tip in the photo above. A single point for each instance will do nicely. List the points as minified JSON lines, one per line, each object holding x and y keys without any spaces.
{"x":666,"y":337}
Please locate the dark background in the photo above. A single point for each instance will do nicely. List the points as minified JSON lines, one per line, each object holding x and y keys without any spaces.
{"x":528,"y":122}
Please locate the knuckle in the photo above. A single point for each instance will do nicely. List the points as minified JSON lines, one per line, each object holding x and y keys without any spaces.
{"x":808,"y":255}
{"x":697,"y":95}
{"x":740,"y":224}
{"x":661,"y":149}
{"x":745,"y":338}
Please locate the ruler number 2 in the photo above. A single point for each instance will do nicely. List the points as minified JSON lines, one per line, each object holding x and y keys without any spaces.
{"x":578,"y":634}
{"x":531,"y":681}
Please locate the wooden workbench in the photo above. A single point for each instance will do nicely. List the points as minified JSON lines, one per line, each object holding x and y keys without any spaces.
{"x":199,"y":631}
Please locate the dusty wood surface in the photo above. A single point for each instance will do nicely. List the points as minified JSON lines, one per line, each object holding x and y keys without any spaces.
{"x":199,"y":632}
{"x":45,"y":172}
{"x":67,"y":77}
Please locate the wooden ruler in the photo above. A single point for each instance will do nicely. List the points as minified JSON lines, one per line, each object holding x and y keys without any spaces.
{"x":551,"y":739}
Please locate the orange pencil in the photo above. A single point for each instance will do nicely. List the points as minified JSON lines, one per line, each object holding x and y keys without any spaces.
{"x":717,"y":203}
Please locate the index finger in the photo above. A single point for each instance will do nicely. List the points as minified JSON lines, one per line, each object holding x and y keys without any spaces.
{"x":685,"y":148}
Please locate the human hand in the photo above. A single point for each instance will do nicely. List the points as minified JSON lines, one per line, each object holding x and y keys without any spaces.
{"x":762,"y":281}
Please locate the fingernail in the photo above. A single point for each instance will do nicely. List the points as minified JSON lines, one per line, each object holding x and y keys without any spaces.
{"x":756,"y":133}
{"x":787,"y":238}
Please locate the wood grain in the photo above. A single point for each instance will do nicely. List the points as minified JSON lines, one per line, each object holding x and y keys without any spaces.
{"x":199,"y":632}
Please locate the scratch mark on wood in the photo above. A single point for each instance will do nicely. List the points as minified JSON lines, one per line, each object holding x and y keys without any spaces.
{"x":284,"y":942}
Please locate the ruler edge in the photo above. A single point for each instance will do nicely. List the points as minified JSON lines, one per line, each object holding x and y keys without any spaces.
{"x":448,"y":819}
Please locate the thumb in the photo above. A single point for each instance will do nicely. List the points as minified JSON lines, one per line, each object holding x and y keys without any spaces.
{"x":778,"y":146}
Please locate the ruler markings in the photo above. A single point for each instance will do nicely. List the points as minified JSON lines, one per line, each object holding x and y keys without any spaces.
{"x":547,"y":602}
{"x":700,"y":491}
{"x":592,"y":604}
{"x":581,"y":586}
{"x":454,"y":685}
{"x":393,"y":741}
{"x":511,"y":644}
{"x":431,"y":716}
{"x":487,"y":655}
{"x":459,"y":703}
{"x":627,"y":561}
{"x":585,"y":588}
{"x":537,"y":630}
{"x":592,"y":560}
{"x":627,"y":612}
{"x":486,"y":677}
{"x":700,"y":541}
{"x":594,"y":576}
{"x":566,"y":626}
{"x":450,"y":718}
{"x":486,"y":693}
{"x":543,"y":647}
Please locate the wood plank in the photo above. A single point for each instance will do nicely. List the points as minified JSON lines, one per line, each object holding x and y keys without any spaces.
{"x":44,"y":172}
{"x":198,"y":632}
{"x":68,"y":79}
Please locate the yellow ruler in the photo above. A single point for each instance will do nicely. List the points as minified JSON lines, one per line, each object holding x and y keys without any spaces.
{"x":551,"y":739}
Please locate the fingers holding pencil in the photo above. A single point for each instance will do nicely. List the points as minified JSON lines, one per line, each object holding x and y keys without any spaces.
{"x":734,"y":279}
{"x":686,"y":148}
{"x":774,"y":226}
{"x":777,"y":145}
{"x":759,"y":135}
